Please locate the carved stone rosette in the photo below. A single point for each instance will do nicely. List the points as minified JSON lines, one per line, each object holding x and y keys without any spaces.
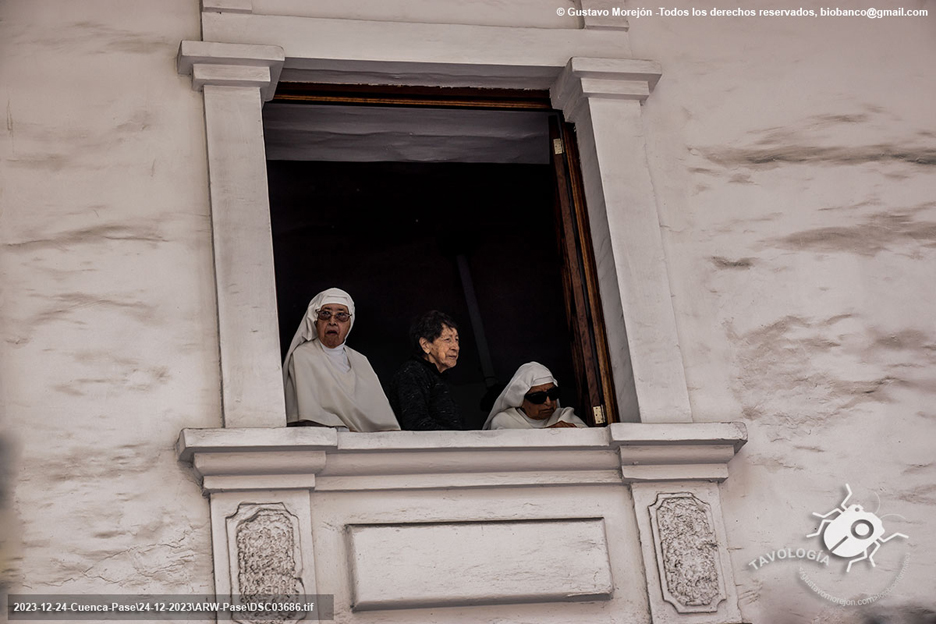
{"x":263,"y":540}
{"x":687,"y":553}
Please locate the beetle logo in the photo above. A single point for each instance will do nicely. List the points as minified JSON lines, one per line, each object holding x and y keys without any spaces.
{"x":852,"y":532}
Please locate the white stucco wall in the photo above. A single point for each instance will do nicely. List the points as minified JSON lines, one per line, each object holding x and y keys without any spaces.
{"x":794,"y":162}
{"x":109,"y":322}
{"x":793,"y":165}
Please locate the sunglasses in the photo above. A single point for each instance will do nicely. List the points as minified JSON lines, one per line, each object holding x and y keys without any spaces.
{"x":341,"y":317}
{"x":538,"y":398}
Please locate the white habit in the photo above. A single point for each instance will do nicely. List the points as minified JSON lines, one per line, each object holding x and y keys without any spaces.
{"x":513,"y":418}
{"x":333,"y":387}
{"x":506,"y":413}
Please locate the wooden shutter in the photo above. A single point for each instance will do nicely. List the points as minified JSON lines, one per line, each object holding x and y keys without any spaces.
{"x":579,"y":278}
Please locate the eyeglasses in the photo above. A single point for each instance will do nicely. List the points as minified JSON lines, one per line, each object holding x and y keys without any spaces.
{"x":538,"y":398}
{"x":341,"y":317}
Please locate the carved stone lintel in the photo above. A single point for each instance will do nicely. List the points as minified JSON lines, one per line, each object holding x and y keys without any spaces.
{"x":687,"y":553}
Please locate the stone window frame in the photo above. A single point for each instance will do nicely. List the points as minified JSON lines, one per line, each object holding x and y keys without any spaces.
{"x":664,"y":457}
{"x":601,"y":96}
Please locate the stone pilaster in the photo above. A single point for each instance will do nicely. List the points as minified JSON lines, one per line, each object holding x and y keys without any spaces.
{"x":259,"y":483}
{"x":236,"y":79}
{"x":602,"y":97}
{"x":679,"y":518}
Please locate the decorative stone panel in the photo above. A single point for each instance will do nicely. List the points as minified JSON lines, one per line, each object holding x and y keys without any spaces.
{"x":687,"y":552}
{"x":399,"y":566}
{"x":264,"y":546}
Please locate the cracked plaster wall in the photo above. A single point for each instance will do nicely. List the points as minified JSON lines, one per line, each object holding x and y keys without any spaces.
{"x":794,"y":162}
{"x":109,"y":338}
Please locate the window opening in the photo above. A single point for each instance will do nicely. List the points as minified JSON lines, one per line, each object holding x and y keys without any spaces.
{"x":488,"y":242}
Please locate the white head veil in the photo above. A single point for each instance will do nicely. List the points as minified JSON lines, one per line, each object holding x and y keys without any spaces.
{"x":529,"y":375}
{"x":307,"y":331}
{"x":327,"y":394}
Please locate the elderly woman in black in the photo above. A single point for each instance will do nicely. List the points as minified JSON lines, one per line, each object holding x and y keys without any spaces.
{"x":419,"y":394}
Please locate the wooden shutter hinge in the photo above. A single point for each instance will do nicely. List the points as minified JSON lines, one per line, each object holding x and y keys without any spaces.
{"x":598,"y":412}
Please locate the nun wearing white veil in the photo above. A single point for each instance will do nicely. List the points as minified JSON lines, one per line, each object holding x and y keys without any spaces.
{"x":328,"y":383}
{"x":531,"y":401}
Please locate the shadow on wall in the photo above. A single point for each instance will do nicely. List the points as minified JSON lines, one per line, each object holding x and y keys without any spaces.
{"x":907,"y":614}
{"x":6,"y":514}
{"x":896,"y":614}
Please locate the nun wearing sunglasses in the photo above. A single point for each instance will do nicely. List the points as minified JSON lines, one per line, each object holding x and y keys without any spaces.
{"x":531,"y":401}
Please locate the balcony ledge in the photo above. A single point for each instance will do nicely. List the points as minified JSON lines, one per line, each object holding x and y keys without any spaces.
{"x":326,"y":460}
